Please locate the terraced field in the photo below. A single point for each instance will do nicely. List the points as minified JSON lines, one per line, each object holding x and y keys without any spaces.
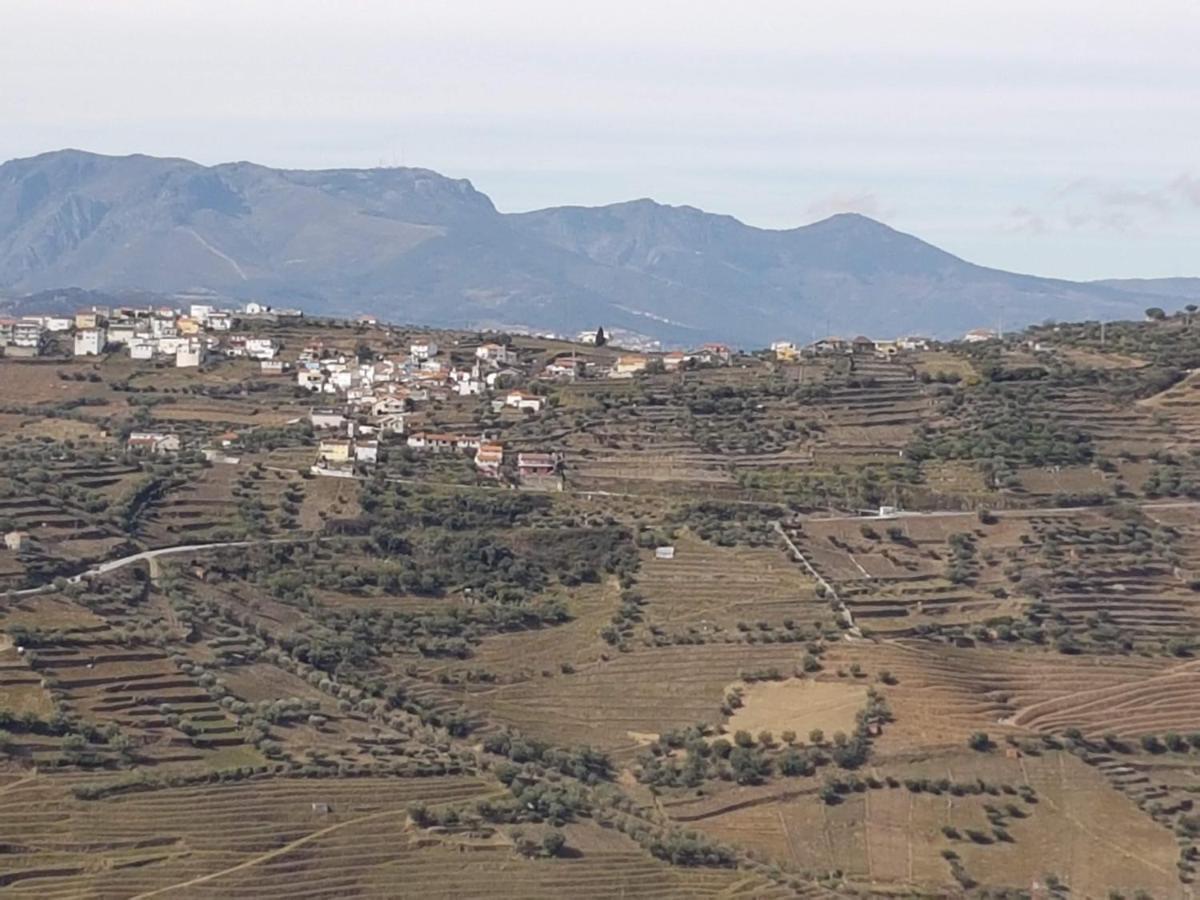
{"x":928,"y":626}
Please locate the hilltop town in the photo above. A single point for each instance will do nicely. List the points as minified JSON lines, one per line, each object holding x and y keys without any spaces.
{"x":391,"y":608}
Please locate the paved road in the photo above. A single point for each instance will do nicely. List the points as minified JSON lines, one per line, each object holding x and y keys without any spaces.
{"x":1023,"y":512}
{"x":113,"y":565}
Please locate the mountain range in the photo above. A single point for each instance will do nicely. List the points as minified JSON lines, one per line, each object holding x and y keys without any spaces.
{"x":412,"y":245}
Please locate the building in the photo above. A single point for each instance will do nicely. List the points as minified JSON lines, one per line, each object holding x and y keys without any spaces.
{"x":718,"y":353}
{"x":522,"y":400}
{"x":629,"y":365}
{"x":218,"y":321}
{"x":335,"y":450}
{"x":273,"y":366}
{"x":565,"y":367}
{"x":673,"y":360}
{"x":785,"y":351}
{"x":489,"y":458}
{"x":979,"y":335}
{"x":495,"y":353}
{"x":90,"y":341}
{"x":424,"y":440}
{"x":536,"y":465}
{"x":87,"y":319}
{"x":15,"y":540}
{"x":188,"y":327}
{"x":261,"y":348}
{"x":189,"y":354}
{"x":423,"y":350}
{"x":28,"y":333}
{"x":201,"y":311}
{"x":155,"y":442}
{"x":830,"y":345}
{"x":143,"y":348}
{"x":310,"y":379}
{"x":389,"y":406}
{"x":862,"y":346}
{"x":390,"y":423}
{"x":122,"y":333}
{"x":56,"y":323}
{"x":326,"y":419}
{"x":367,"y":452}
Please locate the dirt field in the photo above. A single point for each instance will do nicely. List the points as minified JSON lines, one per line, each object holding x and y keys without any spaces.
{"x":798,"y":705}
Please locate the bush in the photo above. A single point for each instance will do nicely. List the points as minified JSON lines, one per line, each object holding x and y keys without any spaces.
{"x":980,"y":742}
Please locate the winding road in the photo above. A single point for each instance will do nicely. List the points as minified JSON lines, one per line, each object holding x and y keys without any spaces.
{"x":113,"y":565}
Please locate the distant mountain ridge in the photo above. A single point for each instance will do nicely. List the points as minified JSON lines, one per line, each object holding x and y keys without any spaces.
{"x":414,"y":245}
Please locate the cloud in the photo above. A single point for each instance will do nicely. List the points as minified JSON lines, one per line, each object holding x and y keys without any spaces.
{"x":1096,"y":205}
{"x":865,"y":202}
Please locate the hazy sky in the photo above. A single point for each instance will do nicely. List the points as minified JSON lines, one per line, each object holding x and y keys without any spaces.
{"x":1060,"y":137}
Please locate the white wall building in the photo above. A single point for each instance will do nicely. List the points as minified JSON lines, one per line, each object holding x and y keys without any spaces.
{"x":143,"y":348}
{"x":423,"y":350}
{"x":189,"y":354}
{"x":90,"y":341}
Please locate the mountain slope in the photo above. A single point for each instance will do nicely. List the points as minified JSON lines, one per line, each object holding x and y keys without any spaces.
{"x":414,"y":245}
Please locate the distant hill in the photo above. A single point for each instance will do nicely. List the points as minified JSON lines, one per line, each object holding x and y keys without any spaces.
{"x":1174,"y":289}
{"x":413,"y":245}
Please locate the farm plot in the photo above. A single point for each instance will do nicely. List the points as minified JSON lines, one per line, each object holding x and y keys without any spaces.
{"x":613,"y":703}
{"x":253,"y":838}
{"x":798,"y":705}
{"x":707,"y":589}
{"x":944,"y":694}
{"x":892,"y":838}
{"x":897,"y":575}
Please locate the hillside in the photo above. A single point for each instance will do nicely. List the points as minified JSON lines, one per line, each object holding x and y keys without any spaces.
{"x":413,"y":245}
{"x":888,"y":623}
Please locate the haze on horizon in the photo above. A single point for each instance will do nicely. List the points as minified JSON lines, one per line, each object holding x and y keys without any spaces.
{"x":1059,"y":139}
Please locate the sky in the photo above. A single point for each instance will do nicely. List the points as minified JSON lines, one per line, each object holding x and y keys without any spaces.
{"x":1057,"y":137}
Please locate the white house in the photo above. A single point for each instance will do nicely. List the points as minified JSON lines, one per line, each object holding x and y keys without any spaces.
{"x":424,"y":440}
{"x":261,"y":348}
{"x":169,"y":346}
{"x":189,"y":354}
{"x":122,"y":332}
{"x":489,"y":458}
{"x":366,"y":451}
{"x":495,"y":353}
{"x":143,"y":348}
{"x":326,"y":418}
{"x":218,"y":321}
{"x":310,"y":379}
{"x":423,"y":350}
{"x":522,"y":400}
{"x":57,"y":323}
{"x":90,"y":341}
{"x":273,"y":366}
{"x":493,"y":377}
{"x":978,"y":335}
{"x":154,"y":442}
{"x":28,"y":333}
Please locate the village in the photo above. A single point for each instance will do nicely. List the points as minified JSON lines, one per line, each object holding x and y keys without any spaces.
{"x":372,"y":399}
